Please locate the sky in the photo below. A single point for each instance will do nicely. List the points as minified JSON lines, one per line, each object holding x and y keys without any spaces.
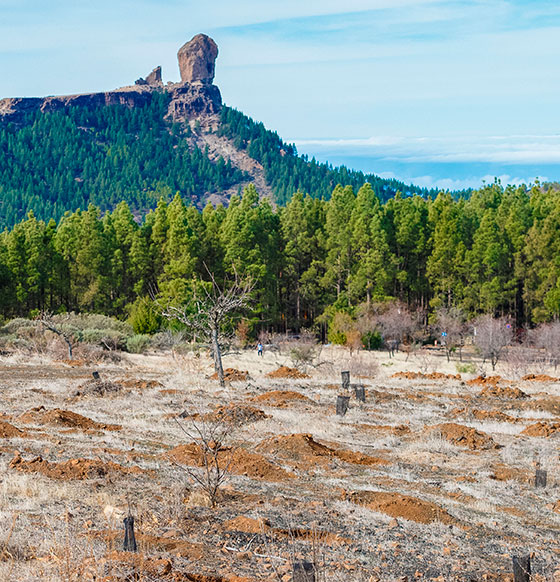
{"x":443,"y":94}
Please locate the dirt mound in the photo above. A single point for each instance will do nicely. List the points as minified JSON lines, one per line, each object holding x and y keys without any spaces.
{"x":281,"y":398}
{"x":403,"y":506}
{"x":58,"y":417}
{"x":241,"y":462}
{"x":494,"y":391}
{"x":247,"y":525}
{"x":236,"y":414}
{"x":465,"y":436}
{"x":137,"y":384}
{"x":502,"y":472}
{"x":485,"y":381}
{"x":540,"y":378}
{"x":99,"y":388}
{"x":431,"y":376}
{"x":72,"y":469}
{"x":8,"y":431}
{"x":232,"y":375}
{"x":290,"y":373}
{"x":397,"y":430}
{"x":542,"y":429}
{"x":306,"y":451}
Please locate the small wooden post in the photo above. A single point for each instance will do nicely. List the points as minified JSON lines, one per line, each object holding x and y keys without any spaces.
{"x":303,"y":572}
{"x":360,"y":392}
{"x":342,"y":404}
{"x":129,"y":539}
{"x":521,"y":568}
{"x":540,"y":478}
{"x":345,"y":380}
{"x":95,"y":375}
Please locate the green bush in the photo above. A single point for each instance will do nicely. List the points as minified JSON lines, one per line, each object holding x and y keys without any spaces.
{"x":372,"y":340}
{"x":144,"y":318}
{"x":469,"y":368}
{"x":138,"y":343}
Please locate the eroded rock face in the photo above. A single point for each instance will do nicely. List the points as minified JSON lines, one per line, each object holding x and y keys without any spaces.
{"x":197,"y":59}
{"x":194,"y":101}
{"x":154,"y":78}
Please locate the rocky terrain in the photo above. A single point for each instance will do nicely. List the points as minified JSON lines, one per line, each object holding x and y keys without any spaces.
{"x":431,"y":478}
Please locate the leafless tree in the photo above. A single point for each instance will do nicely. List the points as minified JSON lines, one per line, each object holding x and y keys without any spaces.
{"x":491,"y":336}
{"x":209,"y":310}
{"x":395,"y":323}
{"x":547,"y":337}
{"x":45,"y":318}
{"x":450,"y":326}
{"x":212,"y":450}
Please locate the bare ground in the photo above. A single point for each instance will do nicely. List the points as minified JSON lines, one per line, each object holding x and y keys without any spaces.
{"x":431,"y":478}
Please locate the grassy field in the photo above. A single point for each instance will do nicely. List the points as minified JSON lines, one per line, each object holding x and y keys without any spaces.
{"x":432,"y":478}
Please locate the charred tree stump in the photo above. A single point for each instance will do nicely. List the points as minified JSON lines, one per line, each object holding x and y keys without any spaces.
{"x":345,"y":380}
{"x":540,"y":478}
{"x":129,"y":539}
{"x":360,"y":392}
{"x":303,"y":572}
{"x":342,"y":405}
{"x":521,"y":568}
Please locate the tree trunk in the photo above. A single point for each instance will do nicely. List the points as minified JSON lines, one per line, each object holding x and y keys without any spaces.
{"x":217,"y":355}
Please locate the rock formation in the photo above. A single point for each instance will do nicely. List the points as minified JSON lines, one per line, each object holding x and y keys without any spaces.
{"x":194,"y":98}
{"x":197,"y":60}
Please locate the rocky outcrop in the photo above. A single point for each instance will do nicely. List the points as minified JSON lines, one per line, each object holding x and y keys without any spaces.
{"x":197,"y":60}
{"x":194,"y":98}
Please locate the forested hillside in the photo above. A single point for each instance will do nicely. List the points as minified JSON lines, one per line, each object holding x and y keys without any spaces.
{"x":496,"y":252}
{"x":68,"y":159}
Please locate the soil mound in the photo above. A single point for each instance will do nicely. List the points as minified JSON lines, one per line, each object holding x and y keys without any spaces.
{"x":397,"y":430}
{"x":304,"y":449}
{"x":494,"y":391}
{"x":72,"y":469}
{"x":431,"y":376}
{"x":281,"y":398}
{"x":290,"y":373}
{"x":485,"y":381}
{"x":137,"y":384}
{"x":232,"y":375}
{"x":540,"y":378}
{"x":236,"y":414}
{"x":66,"y":418}
{"x":241,"y":462}
{"x":502,"y":472}
{"x":8,"y":431}
{"x":465,"y":436}
{"x":495,"y":415}
{"x":99,"y":388}
{"x":403,"y":506}
{"x":247,"y":525}
{"x":542,"y":429}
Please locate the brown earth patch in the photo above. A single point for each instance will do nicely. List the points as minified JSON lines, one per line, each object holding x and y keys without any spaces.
{"x":542,"y":429}
{"x":540,"y":378}
{"x":485,"y":381}
{"x":403,"y":506}
{"x":483,"y":414}
{"x":465,"y":436}
{"x":308,"y":452}
{"x":236,"y":414}
{"x":430,"y":376}
{"x":397,"y":430}
{"x":495,"y":391}
{"x":232,"y":375}
{"x":66,"y":418}
{"x":138,"y":384}
{"x":72,"y":469}
{"x":285,"y":372}
{"x":241,"y":462}
{"x":99,"y":388}
{"x":550,"y":404}
{"x":501,"y":472}
{"x":281,"y":398}
{"x":8,"y":431}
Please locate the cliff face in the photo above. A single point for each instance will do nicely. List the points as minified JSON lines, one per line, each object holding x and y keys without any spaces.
{"x":193,"y":98}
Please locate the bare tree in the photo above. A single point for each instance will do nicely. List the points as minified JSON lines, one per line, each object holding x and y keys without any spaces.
{"x":209,"y":311}
{"x":213,"y":455}
{"x":492,"y":336}
{"x":547,"y":337}
{"x":395,"y":323}
{"x":450,"y":326}
{"x":45,"y":318}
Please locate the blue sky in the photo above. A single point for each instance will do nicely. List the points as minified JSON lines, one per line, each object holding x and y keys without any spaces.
{"x":444,"y":93}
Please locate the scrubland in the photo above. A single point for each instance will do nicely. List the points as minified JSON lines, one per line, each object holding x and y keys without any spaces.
{"x":432,"y":478}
